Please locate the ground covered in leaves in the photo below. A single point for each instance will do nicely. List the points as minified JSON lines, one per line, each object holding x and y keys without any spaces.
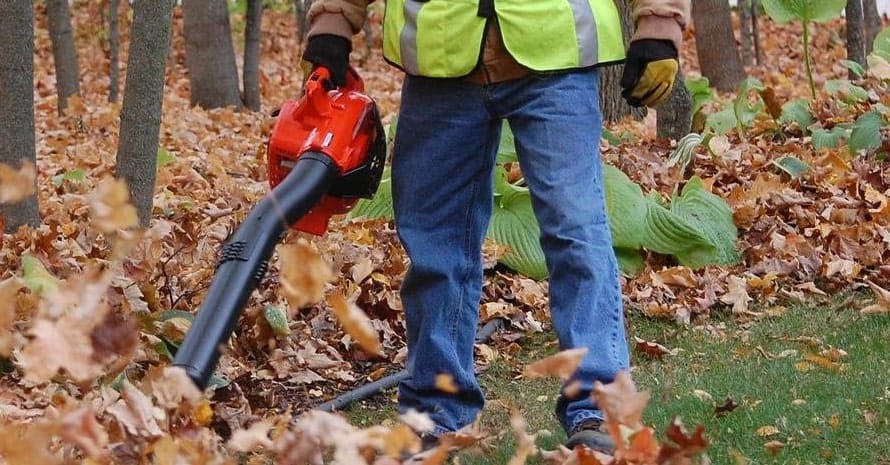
{"x":91,"y":310}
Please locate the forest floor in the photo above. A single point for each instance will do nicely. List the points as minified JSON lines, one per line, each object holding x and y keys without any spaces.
{"x":79,"y":383}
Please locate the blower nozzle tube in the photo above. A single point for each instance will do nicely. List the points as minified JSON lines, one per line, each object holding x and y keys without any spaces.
{"x":244,"y":259}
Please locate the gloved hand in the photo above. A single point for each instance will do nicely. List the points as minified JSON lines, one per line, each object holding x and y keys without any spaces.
{"x":332,"y":52}
{"x":649,"y":72}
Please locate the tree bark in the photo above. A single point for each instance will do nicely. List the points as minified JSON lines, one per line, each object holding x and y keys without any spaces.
{"x":873,"y":23}
{"x":718,"y":55}
{"x":61,"y":35}
{"x":252,"y":39}
{"x":301,"y":8}
{"x":674,"y":117}
{"x":745,"y":33}
{"x":114,"y":45}
{"x":855,"y":34}
{"x":209,"y":54}
{"x":17,"y":104}
{"x":137,"y":150}
{"x":755,"y":30}
{"x":613,"y":104}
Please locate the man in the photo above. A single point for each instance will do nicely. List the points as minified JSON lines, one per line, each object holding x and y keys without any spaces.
{"x":469,"y":65}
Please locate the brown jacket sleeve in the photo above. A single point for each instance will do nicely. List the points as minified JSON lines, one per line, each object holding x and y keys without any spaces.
{"x":661,"y":19}
{"x":340,"y":17}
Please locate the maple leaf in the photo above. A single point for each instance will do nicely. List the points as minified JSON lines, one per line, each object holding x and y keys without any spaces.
{"x":110,"y":208}
{"x":684,"y":447}
{"x":171,"y":386}
{"x":561,"y":365}
{"x":882,"y":301}
{"x":17,"y":185}
{"x":620,"y":401}
{"x":356,"y":324}
{"x":737,"y":294}
{"x":9,"y":288}
{"x":134,"y":410}
{"x":81,"y":428}
{"x":247,"y":440}
{"x":652,"y":349}
{"x":525,"y":442}
{"x":303,"y":274}
{"x":61,"y":344}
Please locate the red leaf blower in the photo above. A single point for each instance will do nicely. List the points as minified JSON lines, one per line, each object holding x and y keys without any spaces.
{"x":326,"y":151}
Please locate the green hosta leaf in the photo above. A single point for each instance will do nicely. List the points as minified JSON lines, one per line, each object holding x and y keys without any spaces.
{"x":626,"y":208}
{"x":685,"y":151}
{"x":711,"y":217}
{"x":745,"y":110}
{"x":507,"y":147}
{"x":513,"y":225}
{"x":856,"y":68}
{"x":75,"y":175}
{"x":797,"y":111}
{"x":667,"y":233}
{"x":721,"y":122}
{"x":850,"y":92}
{"x":380,"y":206}
{"x":795,"y":167}
{"x":165,"y":157}
{"x":700,"y":91}
{"x":829,"y":138}
{"x":630,"y":260}
{"x":882,"y":44}
{"x":37,"y":279}
{"x":783,"y":11}
{"x":277,"y":319}
{"x":866,"y":135}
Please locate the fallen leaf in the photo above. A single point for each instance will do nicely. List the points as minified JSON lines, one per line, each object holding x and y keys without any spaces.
{"x":737,"y":294}
{"x":882,"y":301}
{"x":81,"y":428}
{"x":445,"y":383}
{"x":768,"y":430}
{"x":561,"y":365}
{"x":250,"y":439}
{"x":356,"y":323}
{"x":525,"y":442}
{"x":685,"y":446}
{"x":17,"y":184}
{"x":774,"y":447}
{"x":134,"y":411}
{"x":652,"y":349}
{"x":621,"y":402}
{"x":9,"y":288}
{"x":303,"y":274}
{"x":110,"y":208}
{"x":727,"y":407}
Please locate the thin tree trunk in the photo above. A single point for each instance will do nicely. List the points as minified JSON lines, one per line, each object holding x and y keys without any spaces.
{"x":745,"y":33}
{"x":252,"y":38}
{"x":301,"y":8}
{"x":64,"y":54}
{"x":137,"y":150}
{"x":17,"y":103}
{"x":209,"y":54}
{"x":718,"y":55}
{"x":872,"y":23}
{"x":114,"y":40}
{"x":613,"y":104}
{"x":855,"y":33}
{"x":755,"y":30}
{"x":674,"y":117}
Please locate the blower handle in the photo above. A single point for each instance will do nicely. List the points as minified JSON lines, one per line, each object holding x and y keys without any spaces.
{"x":244,"y":259}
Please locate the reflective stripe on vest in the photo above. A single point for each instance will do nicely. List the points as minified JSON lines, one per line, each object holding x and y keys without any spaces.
{"x":443,"y":38}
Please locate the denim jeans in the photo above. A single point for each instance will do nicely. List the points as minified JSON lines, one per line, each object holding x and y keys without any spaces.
{"x":443,"y":158}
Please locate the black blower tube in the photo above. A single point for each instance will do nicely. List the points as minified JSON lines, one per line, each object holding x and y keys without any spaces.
{"x":244,"y":259}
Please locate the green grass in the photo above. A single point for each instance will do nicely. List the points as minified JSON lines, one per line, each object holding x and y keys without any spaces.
{"x":822,"y":414}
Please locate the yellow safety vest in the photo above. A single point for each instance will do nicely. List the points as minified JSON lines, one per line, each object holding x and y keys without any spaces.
{"x":443,"y":38}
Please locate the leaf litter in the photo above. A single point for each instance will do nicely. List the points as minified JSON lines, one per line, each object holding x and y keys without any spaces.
{"x":88,"y":378}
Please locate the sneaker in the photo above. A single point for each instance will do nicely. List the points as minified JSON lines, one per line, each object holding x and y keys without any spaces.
{"x":591,"y":434}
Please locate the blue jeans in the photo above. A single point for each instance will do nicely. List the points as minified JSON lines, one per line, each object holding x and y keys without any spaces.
{"x":445,"y":147}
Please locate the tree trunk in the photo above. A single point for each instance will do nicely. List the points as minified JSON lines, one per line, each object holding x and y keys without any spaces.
{"x":64,"y":54}
{"x":674,"y":117}
{"x":302,"y":9}
{"x":17,"y":103}
{"x":745,"y":33}
{"x":137,"y":150}
{"x":855,"y":34}
{"x":755,"y":30}
{"x":613,"y":104}
{"x":718,"y":55}
{"x":252,"y":38}
{"x":114,"y":45}
{"x":209,"y":54}
{"x":872,"y":23}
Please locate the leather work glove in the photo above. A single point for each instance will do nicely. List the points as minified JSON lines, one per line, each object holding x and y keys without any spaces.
{"x":332,"y":52}
{"x":649,"y":72}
